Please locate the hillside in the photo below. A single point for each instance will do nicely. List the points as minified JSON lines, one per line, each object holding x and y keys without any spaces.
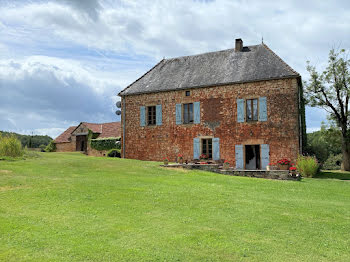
{"x":30,"y":141}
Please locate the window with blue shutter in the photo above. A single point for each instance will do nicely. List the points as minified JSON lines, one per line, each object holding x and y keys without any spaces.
{"x":196,"y":148}
{"x":178,"y":114}
{"x":196,"y":112}
{"x":239,"y":157}
{"x":262,"y":109}
{"x":159,"y":115}
{"x":142,"y":116}
{"x":265,"y":155}
{"x":216,"y":148}
{"x":240,"y":110}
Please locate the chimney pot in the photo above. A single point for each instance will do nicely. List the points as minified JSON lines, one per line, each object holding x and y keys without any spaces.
{"x":239,"y":45}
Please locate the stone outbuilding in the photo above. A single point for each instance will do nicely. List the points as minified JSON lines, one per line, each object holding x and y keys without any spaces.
{"x":244,"y":105}
{"x":76,"y":138}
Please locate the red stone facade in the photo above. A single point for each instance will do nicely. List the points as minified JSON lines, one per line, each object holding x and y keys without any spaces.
{"x":218,"y":118}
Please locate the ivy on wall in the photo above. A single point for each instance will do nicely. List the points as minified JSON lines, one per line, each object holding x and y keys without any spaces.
{"x":105,"y":143}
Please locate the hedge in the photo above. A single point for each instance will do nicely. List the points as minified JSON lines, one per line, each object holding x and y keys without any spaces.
{"x":114,"y":153}
{"x":105,"y":143}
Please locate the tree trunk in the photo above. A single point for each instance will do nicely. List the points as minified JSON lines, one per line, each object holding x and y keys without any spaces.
{"x":346,"y":153}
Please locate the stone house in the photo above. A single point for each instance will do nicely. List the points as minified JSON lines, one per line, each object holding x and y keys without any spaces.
{"x":243,"y":105}
{"x":76,"y":138}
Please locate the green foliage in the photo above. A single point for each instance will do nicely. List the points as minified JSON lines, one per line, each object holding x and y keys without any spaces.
{"x":105,"y":143}
{"x":114,"y":153}
{"x":333,"y":162}
{"x":42,"y":147}
{"x":325,"y":142}
{"x":51,"y":147}
{"x":307,"y":166}
{"x":30,"y":141}
{"x":330,"y":90}
{"x":10,"y":146}
{"x":30,"y":154}
{"x":321,"y":91}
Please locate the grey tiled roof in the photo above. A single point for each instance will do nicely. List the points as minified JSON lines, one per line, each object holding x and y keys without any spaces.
{"x":254,"y":63}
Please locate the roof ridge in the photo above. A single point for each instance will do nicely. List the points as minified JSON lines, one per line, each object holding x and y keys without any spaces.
{"x":205,"y":53}
{"x":279,"y":58}
{"x":119,"y":94}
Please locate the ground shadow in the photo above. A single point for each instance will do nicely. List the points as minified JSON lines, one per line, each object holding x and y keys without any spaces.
{"x":328,"y":174}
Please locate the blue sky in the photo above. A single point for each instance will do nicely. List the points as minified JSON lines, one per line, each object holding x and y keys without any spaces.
{"x":64,"y":61}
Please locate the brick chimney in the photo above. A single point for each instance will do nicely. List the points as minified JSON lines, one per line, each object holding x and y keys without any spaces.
{"x":239,"y":45}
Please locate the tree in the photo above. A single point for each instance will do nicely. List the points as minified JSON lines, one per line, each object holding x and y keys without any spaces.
{"x":325,"y":142}
{"x":330,"y":90}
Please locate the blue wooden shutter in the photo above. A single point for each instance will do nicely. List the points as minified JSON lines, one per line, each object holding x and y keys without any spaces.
{"x":216,"y":148}
{"x":196,"y":148}
{"x":262,"y":109}
{"x":196,"y":112}
{"x":159,"y":115}
{"x":239,"y":157}
{"x":265,"y":155}
{"x":178,"y":114}
{"x":142,"y":116}
{"x":240,"y":110}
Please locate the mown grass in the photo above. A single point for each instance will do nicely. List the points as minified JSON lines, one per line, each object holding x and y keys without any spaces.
{"x":70,"y":207}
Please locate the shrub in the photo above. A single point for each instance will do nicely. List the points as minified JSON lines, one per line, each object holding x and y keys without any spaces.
{"x":115,"y":152}
{"x":51,"y":147}
{"x":30,"y":154}
{"x":105,"y":143}
{"x":307,"y":166}
{"x":42,"y":147}
{"x":10,"y":146}
{"x":333,"y":162}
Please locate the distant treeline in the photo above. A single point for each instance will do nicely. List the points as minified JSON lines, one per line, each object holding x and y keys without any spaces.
{"x":34,"y":141}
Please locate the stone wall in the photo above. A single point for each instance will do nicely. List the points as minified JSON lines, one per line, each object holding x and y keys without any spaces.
{"x":65,"y":147}
{"x":94,"y":152}
{"x":218,"y":119}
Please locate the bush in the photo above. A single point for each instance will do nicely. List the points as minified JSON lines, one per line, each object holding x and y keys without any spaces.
{"x":10,"y":146}
{"x":333,"y":162}
{"x":30,"y":154}
{"x":115,"y":152}
{"x":51,"y":147}
{"x":42,"y":147}
{"x":307,"y":166}
{"x":105,"y":143}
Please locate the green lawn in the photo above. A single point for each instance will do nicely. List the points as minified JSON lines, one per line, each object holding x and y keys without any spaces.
{"x":70,"y":207}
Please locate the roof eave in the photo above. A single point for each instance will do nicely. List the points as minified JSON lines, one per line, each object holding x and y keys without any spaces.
{"x":212,"y":85}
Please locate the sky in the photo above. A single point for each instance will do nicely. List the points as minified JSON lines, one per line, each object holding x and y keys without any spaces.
{"x":63,"y":62}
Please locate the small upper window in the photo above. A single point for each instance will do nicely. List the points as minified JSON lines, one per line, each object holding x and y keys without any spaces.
{"x":151,"y":113}
{"x":188,"y":93}
{"x":188,"y":113}
{"x":252,"y":109}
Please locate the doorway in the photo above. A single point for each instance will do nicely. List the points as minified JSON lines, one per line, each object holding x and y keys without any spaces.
{"x":252,"y":157}
{"x":81,"y":143}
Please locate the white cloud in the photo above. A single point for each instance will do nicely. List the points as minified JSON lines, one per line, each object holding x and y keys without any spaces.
{"x":116,"y":41}
{"x":43,"y":93}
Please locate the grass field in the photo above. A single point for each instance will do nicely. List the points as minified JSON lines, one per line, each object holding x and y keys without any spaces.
{"x":70,"y":207}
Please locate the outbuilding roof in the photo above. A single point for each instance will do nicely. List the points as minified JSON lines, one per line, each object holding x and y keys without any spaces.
{"x":65,"y":136}
{"x":112,"y":129}
{"x":253,"y":63}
